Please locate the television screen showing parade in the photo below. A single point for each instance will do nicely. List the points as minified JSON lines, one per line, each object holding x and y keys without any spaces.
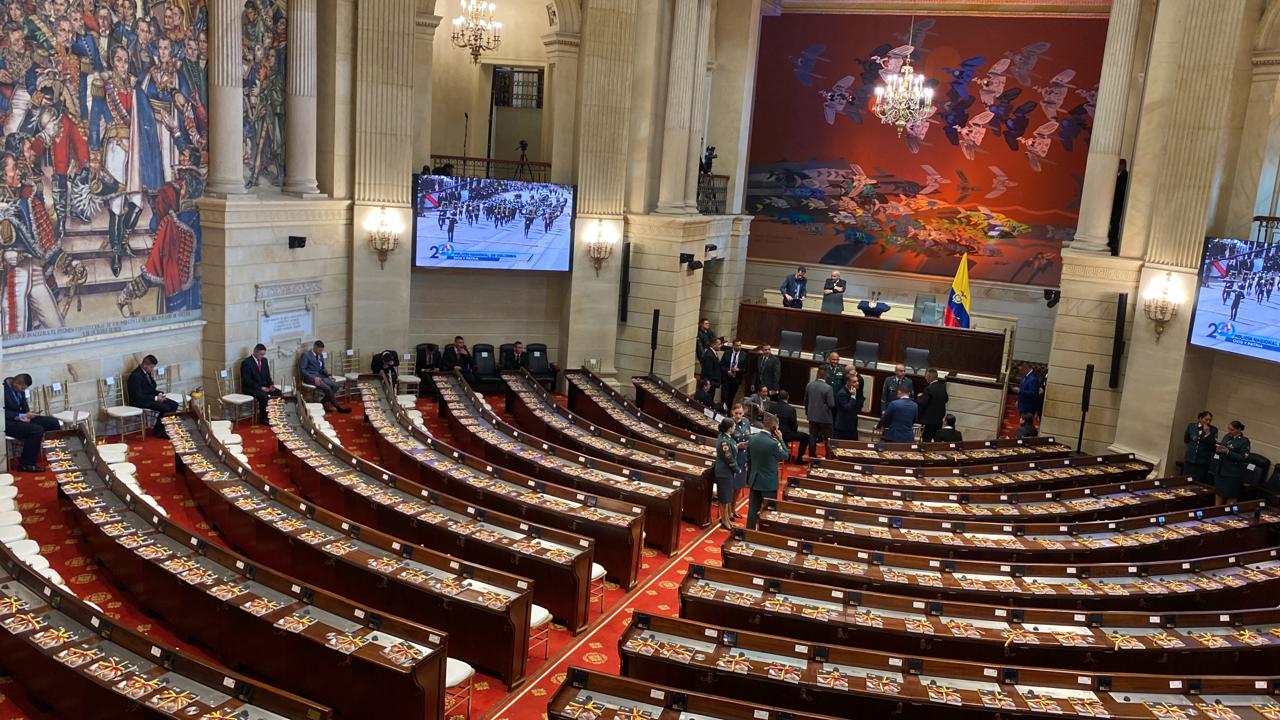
{"x":1237,"y":303}
{"x":467,"y":222}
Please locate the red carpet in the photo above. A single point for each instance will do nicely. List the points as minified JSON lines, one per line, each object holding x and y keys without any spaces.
{"x":656,"y":591}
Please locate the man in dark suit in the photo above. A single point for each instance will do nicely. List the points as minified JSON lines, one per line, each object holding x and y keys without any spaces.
{"x":23,"y":425}
{"x":764,"y":451}
{"x":518,"y":359}
{"x":314,"y":373}
{"x":899,"y":418}
{"x":255,"y":380}
{"x":732,"y":364}
{"x":768,"y":369}
{"x":705,"y":336}
{"x":933,"y":405}
{"x":144,"y":394}
{"x":789,"y":425}
{"x":710,"y":370}
{"x":889,"y":392}
{"x":833,"y":293}
{"x":948,"y":433}
{"x":706,"y":395}
{"x":458,"y":356}
{"x":793,"y":289}
{"x":849,"y":402}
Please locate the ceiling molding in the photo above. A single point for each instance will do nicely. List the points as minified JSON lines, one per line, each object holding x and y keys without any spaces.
{"x":1019,"y":8}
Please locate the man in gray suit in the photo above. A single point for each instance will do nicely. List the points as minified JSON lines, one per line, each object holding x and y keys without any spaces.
{"x":314,"y":373}
{"x":818,"y":404}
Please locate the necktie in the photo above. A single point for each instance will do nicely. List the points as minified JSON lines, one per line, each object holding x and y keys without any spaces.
{"x":259,"y":361}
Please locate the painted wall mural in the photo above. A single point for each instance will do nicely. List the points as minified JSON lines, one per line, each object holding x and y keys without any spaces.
{"x":103,"y":109}
{"x":262,"y":42}
{"x":995,"y":170}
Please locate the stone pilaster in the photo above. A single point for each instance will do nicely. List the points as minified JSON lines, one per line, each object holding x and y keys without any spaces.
{"x":723,"y":277}
{"x":300,"y":101}
{"x":425,"y":24}
{"x":226,"y":100}
{"x":737,"y":34}
{"x":1108,"y":128}
{"x":562,"y":51}
{"x":383,"y":131}
{"x":681,"y":69}
{"x":1254,"y":190}
{"x":698,"y":105}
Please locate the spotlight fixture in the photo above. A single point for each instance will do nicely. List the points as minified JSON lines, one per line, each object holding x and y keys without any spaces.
{"x":686,"y":258}
{"x":1052,"y":297}
{"x":695,"y":265}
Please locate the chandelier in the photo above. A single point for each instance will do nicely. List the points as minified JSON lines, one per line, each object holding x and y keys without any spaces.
{"x":903,"y":99}
{"x":475,"y":29}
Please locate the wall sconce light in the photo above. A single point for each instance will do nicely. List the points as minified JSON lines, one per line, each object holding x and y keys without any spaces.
{"x":1161,"y":300}
{"x":600,"y":247}
{"x":384,"y":235}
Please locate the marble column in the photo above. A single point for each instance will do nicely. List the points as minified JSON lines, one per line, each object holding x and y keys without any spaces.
{"x":698,"y":106}
{"x":562,"y":51}
{"x":1254,"y":190}
{"x":425,"y":24}
{"x":1108,"y":128}
{"x":300,"y":101}
{"x":681,"y":69}
{"x":226,"y":100}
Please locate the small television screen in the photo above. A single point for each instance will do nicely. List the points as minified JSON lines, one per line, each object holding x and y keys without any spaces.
{"x":1237,"y":306}
{"x":468,"y":222}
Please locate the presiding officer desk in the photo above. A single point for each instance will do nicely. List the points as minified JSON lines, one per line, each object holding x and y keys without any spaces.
{"x":271,"y":624}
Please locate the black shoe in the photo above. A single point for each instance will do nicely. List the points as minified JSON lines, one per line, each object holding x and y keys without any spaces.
{"x":342,"y":409}
{"x":31,"y":468}
{"x":802,"y":461}
{"x":160,"y":434}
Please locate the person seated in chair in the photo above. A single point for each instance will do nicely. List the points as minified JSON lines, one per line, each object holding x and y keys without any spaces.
{"x":1027,"y":428}
{"x":789,"y":424}
{"x":758,"y":402}
{"x":458,"y":356}
{"x":314,"y":373}
{"x":518,"y":359}
{"x":144,"y":394}
{"x":949,"y":433}
{"x":706,"y":395}
{"x":255,"y":380}
{"x":23,"y":425}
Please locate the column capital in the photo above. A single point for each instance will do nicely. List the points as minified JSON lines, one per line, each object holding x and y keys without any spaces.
{"x":771,"y":8}
{"x":561,"y":44}
{"x":425,"y":24}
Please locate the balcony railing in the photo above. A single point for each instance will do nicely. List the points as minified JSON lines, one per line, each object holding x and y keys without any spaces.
{"x":713,"y":192}
{"x":491,"y":168}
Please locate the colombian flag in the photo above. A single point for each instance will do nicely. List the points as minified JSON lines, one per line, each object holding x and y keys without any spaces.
{"x":957,"y":314}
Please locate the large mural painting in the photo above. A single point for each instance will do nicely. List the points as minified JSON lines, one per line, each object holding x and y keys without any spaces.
{"x":264,"y":34}
{"x":995,"y":170}
{"x":103,"y":109}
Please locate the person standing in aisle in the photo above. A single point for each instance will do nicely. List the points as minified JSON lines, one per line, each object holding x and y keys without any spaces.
{"x":765,"y":450}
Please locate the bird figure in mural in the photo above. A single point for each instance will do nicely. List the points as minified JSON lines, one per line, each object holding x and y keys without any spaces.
{"x":971,"y":135}
{"x":992,"y":83}
{"x":1011,"y":121}
{"x":1024,"y":61}
{"x":1090,"y":99}
{"x":1053,"y":94}
{"x":1037,"y":146}
{"x":805,"y":65}
{"x":955,"y":113}
{"x":963,"y":75}
{"x":965,"y":187}
{"x":917,"y":129}
{"x":836,"y":99}
{"x":893,"y":61}
{"x":916,"y":37}
{"x":1000,"y":182}
{"x":858,"y":181}
{"x":1071,"y":126}
{"x":933,"y":180}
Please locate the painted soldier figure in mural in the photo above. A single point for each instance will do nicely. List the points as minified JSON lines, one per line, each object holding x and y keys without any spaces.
{"x":15,"y":62}
{"x":175,"y":251}
{"x":113,"y":143}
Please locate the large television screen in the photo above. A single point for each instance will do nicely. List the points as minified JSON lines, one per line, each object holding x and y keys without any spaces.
{"x":1237,"y":306}
{"x":467,"y":222}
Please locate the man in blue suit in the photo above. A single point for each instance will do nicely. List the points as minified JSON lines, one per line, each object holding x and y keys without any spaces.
{"x":899,"y":418}
{"x":22,"y":424}
{"x":315,"y":373}
{"x":793,"y":289}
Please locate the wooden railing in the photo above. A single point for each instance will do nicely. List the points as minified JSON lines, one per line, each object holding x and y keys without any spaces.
{"x":493,"y":168}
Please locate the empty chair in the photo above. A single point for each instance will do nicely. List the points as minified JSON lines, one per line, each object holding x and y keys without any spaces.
{"x":540,"y":364}
{"x":235,"y":405}
{"x":167,"y":379}
{"x":486,"y":364}
{"x":458,"y":680}
{"x":351,"y":364}
{"x":916,"y":359}
{"x":539,"y":628}
{"x":866,"y":353}
{"x":112,"y":403}
{"x":790,"y":343}
{"x":505,"y":352}
{"x":597,"y":584}
{"x":823,"y":346}
{"x":58,"y":401}
{"x":408,"y":380}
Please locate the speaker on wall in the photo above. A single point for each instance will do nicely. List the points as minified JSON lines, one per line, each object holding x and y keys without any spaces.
{"x":653,"y":339}
{"x":624,"y":285}
{"x":297,"y":241}
{"x":1117,"y":340}
{"x":1088,"y":388}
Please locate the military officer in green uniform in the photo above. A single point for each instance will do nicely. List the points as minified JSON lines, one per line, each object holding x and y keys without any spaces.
{"x":1201,"y":437}
{"x":1233,"y":459}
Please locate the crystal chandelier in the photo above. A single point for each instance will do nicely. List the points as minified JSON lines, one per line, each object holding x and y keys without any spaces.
{"x":903,"y":99}
{"x":475,"y":29}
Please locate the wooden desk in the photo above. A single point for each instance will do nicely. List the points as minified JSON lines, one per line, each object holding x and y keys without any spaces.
{"x":973,"y":352}
{"x":593,"y":400}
